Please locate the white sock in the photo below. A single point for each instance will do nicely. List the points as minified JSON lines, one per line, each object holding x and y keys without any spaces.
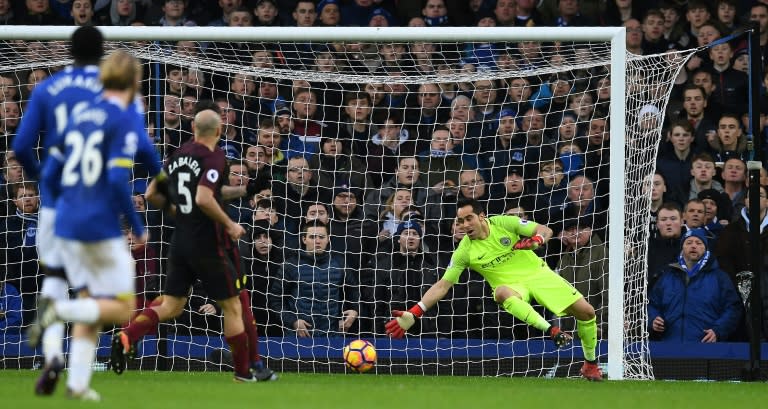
{"x":84,"y":310}
{"x":81,"y":356}
{"x":55,"y":288}
{"x":53,"y":338}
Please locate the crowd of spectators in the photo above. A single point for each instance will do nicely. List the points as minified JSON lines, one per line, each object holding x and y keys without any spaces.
{"x":357,"y":183}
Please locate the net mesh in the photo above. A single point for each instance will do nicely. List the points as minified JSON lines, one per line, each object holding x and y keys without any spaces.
{"x":368,"y":137}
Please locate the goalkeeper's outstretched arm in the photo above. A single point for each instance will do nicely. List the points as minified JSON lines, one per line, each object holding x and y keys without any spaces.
{"x":405,"y":319}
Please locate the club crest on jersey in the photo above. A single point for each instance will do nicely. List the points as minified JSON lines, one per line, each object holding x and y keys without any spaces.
{"x":212,"y":175}
{"x":505,"y":241}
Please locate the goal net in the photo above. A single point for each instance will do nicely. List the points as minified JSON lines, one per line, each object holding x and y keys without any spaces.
{"x":377,"y":134}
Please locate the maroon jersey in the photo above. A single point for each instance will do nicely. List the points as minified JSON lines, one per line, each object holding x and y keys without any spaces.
{"x":190,"y":166}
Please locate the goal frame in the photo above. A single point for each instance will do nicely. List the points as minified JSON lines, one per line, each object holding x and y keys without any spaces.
{"x":618,"y":62}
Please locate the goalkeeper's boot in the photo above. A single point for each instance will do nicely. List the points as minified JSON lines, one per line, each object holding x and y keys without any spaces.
{"x":86,"y":395}
{"x":46,"y":383}
{"x":591,"y":372}
{"x":262,"y":373}
{"x":560,"y":338}
{"x":46,"y":315}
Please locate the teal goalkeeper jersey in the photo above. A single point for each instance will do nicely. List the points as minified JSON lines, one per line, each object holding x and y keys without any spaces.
{"x":495,"y":257}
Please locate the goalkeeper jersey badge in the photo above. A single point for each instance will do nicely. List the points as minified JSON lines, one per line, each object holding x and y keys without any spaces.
{"x":505,"y":241}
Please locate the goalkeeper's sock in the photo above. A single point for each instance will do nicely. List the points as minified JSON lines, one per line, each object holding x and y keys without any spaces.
{"x":588,"y":334}
{"x":81,"y":355}
{"x":249,"y":323}
{"x":524,"y":311}
{"x":238,"y":345}
{"x":142,"y":324}
{"x":84,"y":310}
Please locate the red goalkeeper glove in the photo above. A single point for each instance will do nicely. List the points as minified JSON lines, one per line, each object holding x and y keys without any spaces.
{"x":403,"y":321}
{"x":529,"y":243}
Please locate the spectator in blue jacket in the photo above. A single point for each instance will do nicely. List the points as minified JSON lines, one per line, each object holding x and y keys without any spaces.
{"x":694,"y":300}
{"x":10,"y":309}
{"x":314,"y":294}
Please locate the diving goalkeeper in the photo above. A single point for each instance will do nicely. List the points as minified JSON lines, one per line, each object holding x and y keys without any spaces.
{"x":500,"y":248}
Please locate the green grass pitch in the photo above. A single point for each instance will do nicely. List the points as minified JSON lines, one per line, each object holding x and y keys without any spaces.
{"x":315,"y":391}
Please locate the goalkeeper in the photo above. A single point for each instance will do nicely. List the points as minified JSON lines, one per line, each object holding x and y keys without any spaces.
{"x":500,"y":248}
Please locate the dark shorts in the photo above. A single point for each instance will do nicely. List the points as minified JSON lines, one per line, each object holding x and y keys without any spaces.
{"x":219,"y":273}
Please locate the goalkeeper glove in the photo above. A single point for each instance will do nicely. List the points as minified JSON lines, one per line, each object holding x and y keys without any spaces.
{"x":404,"y":320}
{"x":529,"y":243}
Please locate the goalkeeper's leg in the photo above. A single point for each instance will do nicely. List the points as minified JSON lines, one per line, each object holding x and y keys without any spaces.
{"x":513,"y":303}
{"x":586,"y":324}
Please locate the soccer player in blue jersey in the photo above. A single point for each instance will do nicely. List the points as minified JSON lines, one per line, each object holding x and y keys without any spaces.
{"x":45,"y":119}
{"x":94,"y":159}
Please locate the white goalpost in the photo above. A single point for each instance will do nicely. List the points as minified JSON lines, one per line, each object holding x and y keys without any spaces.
{"x":260,"y":74}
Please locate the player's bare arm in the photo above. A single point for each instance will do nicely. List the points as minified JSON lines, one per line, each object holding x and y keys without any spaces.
{"x":207,"y":203}
{"x":436,"y":293}
{"x":232,"y":192}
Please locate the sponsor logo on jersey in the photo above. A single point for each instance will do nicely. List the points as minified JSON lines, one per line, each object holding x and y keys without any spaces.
{"x":212,"y":175}
{"x":505,"y":241}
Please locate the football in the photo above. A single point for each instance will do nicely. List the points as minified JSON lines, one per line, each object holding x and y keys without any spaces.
{"x":360,"y":355}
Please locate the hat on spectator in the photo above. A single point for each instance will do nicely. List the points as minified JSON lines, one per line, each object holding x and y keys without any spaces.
{"x":345,"y":188}
{"x":380,"y":11}
{"x":515,"y":170}
{"x":699,"y":233}
{"x":283,"y":110}
{"x":87,"y":44}
{"x":322,"y":4}
{"x":507,"y":112}
{"x":408,"y":225}
{"x":740,"y":52}
{"x":712,"y":194}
